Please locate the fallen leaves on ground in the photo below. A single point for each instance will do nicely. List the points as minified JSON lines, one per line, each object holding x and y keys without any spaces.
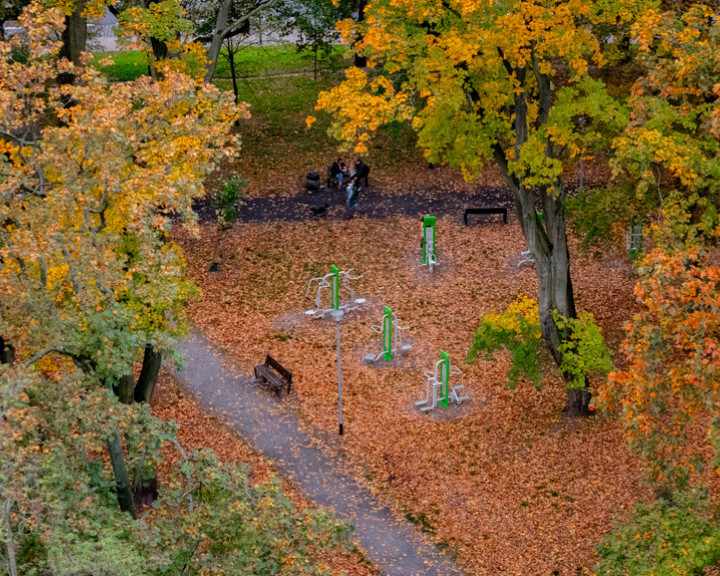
{"x":504,"y":480}
{"x":199,"y":429}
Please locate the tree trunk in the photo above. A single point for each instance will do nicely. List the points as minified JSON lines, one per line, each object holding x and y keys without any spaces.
{"x":547,"y":237}
{"x":224,"y":30}
{"x":10,"y":544}
{"x":222,"y":246}
{"x":217,"y":39}
{"x":74,"y":38}
{"x":159,"y":48}
{"x":360,"y":61}
{"x":122,"y":480}
{"x":7,"y":352}
{"x":231,"y":60}
{"x":552,"y":266}
{"x":74,"y":35}
{"x":126,"y":384}
{"x":152,"y":361}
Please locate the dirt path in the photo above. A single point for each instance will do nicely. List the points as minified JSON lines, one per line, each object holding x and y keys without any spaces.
{"x":374,"y":202}
{"x":259,"y":417}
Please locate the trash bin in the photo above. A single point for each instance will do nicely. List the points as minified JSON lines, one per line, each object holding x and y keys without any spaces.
{"x":312,"y":183}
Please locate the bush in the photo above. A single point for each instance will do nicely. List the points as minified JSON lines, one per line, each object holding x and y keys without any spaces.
{"x":518,"y":331}
{"x":664,"y":539}
{"x":584,"y":353}
{"x":583,"y":349}
{"x":228,"y":200}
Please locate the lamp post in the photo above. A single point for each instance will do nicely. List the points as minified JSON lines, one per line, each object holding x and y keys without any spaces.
{"x":336,"y":313}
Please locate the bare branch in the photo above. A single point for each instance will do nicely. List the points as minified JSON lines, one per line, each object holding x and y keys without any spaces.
{"x":189,"y":479}
{"x":262,"y":4}
{"x":47,"y":351}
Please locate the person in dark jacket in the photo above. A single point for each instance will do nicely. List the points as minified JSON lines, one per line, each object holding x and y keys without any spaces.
{"x":361,"y":172}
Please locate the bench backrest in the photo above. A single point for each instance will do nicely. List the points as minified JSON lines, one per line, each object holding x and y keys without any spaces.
{"x":270,"y":362}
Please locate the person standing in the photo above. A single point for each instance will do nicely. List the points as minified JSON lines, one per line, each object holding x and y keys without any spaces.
{"x":353,"y":195}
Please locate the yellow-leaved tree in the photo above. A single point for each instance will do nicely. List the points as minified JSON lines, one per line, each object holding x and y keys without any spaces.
{"x":505,"y":81}
{"x":92,"y":176}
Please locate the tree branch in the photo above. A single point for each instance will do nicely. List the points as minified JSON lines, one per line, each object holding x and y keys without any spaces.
{"x":544,"y":92}
{"x":76,"y":359}
{"x":446,"y":5}
{"x":189,"y":479}
{"x":240,"y":21}
{"x":509,"y":68}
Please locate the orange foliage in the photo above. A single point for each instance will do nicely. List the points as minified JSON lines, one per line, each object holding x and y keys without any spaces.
{"x":670,"y":392}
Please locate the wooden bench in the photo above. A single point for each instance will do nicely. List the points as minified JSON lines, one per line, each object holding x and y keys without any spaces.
{"x":502,"y":211}
{"x":271,"y":371}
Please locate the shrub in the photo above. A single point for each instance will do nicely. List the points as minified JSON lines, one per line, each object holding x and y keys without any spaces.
{"x":583,"y":349}
{"x":584,"y":353}
{"x":663,"y":539}
{"x":228,"y":200}
{"x":518,"y":331}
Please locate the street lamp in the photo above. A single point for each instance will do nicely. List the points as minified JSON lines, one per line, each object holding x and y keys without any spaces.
{"x":336,"y":313}
{"x":336,"y":316}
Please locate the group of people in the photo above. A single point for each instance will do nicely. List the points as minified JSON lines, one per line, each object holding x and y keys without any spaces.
{"x":349,"y":179}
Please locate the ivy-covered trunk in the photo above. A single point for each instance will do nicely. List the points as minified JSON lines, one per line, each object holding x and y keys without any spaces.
{"x":546,"y":236}
{"x":552,"y":267}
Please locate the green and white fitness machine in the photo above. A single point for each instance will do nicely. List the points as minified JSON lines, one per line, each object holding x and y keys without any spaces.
{"x":428,"y":242}
{"x":336,"y":281}
{"x":438,"y":386}
{"x":634,"y":240}
{"x":391,"y":337}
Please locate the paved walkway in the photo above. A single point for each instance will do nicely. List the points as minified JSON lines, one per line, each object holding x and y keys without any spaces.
{"x":395,"y":547}
{"x":373,"y":201}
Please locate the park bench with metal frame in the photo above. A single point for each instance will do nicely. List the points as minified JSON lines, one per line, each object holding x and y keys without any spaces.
{"x":273,"y":372}
{"x":498,"y":210}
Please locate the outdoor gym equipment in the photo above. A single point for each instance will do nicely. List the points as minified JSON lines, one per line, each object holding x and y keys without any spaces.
{"x":335,"y":312}
{"x":335,"y":281}
{"x":634,"y":239}
{"x":438,"y":385}
{"x":428,"y":242}
{"x":392,"y":337}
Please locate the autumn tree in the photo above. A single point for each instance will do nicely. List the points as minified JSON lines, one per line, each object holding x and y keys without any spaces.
{"x":672,"y":384}
{"x":314,"y":22}
{"x":665,"y":162}
{"x":669,"y":153}
{"x":87,"y":198}
{"x":506,"y":82}
{"x":58,"y":511}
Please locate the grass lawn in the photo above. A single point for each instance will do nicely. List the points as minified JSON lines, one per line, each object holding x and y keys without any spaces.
{"x":127,"y":65}
{"x":251,"y":61}
{"x":503,"y":481}
{"x":254,"y":61}
{"x":277,"y":147}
